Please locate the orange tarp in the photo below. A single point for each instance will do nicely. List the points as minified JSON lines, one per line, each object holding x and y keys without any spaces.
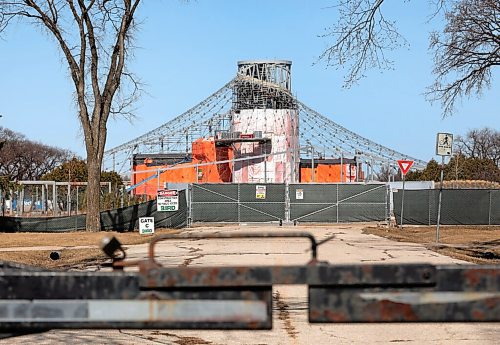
{"x":203,"y":151}
{"x":328,"y":173}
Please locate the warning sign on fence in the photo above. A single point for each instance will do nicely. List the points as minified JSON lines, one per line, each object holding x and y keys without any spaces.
{"x":167,"y":200}
{"x":260,"y":192}
{"x":299,"y":194}
{"x":146,"y":225}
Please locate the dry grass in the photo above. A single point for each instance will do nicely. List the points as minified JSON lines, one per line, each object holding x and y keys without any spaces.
{"x":71,"y":257}
{"x":478,"y":244}
{"x":71,"y":239}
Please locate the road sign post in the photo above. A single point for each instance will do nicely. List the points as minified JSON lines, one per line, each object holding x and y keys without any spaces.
{"x":405,"y":166}
{"x":444,"y":147}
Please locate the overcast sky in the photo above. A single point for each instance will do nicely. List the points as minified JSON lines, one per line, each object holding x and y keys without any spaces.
{"x":188,"y":50}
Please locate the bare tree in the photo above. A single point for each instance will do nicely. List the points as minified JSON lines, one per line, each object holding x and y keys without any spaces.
{"x":465,"y":51}
{"x":361,"y":38}
{"x":388,"y":173}
{"x":481,"y":144}
{"x":23,"y":159}
{"x":94,"y":37}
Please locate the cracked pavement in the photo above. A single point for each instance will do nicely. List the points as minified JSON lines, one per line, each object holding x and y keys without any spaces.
{"x":343,"y":243}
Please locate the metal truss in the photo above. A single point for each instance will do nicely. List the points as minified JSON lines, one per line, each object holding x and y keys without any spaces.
{"x":318,"y":133}
{"x":333,"y":139}
{"x":176,"y":135}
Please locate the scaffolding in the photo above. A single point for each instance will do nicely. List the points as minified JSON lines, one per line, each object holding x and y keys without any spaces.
{"x":263,"y":85}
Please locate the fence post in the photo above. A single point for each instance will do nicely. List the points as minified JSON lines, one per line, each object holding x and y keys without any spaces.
{"x":337,"y":201}
{"x":239,"y":218}
{"x":489,"y":208}
{"x":43,"y":199}
{"x":21,"y":208}
{"x":69,"y":199}
{"x":430,"y":196}
{"x":387,"y":207}
{"x":189,"y":194}
{"x":287,"y":202}
{"x":55,"y":205}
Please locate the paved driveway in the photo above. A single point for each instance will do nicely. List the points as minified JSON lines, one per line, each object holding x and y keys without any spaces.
{"x":348,"y":245}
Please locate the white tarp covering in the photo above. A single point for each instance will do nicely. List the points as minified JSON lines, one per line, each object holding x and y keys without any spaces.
{"x":281,"y":126}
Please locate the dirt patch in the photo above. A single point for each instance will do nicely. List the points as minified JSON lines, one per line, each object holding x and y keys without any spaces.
{"x":478,"y":244}
{"x":70,"y":257}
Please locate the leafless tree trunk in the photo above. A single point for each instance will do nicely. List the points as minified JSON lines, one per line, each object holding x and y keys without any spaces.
{"x":94,"y":37}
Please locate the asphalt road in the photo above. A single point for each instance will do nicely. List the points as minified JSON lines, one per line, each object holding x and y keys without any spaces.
{"x":290,"y":324}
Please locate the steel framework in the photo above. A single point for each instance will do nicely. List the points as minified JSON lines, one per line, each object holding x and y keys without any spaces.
{"x":257,"y":85}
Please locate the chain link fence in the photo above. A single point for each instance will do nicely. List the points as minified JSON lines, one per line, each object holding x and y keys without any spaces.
{"x":334,"y":203}
{"x":458,"y":207}
{"x":290,"y":203}
{"x":235,"y":203}
{"x":121,"y":219}
{"x":325,"y":203}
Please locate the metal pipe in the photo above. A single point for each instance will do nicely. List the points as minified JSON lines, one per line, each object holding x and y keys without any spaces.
{"x":77,"y":199}
{"x":312,"y":163}
{"x":439,"y":202}
{"x":342,"y":167}
{"x":69,"y":198}
{"x":295,"y":234}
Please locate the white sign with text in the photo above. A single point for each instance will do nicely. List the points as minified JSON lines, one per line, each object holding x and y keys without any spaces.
{"x":146,"y":225}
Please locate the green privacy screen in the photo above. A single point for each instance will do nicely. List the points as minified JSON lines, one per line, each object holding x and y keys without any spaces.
{"x":458,"y":206}
{"x":122,"y":219}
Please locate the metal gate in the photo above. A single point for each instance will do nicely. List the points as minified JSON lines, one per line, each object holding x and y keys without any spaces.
{"x":334,"y":203}
{"x":239,"y":297}
{"x":237,"y":202}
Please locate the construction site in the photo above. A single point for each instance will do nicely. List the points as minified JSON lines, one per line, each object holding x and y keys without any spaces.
{"x":255,"y":151}
{"x":252,"y":130}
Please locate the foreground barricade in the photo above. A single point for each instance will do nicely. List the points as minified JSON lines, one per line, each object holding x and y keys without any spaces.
{"x":238,"y":297}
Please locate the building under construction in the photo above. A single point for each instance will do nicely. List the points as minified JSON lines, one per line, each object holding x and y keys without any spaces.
{"x":256,"y":141}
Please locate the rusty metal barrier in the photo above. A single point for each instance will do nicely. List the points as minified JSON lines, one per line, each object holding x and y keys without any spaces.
{"x":240,"y":297}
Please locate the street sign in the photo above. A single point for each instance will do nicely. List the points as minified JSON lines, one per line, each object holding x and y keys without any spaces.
{"x":167,"y":200}
{"x":146,"y":225}
{"x":405,"y":165}
{"x":444,"y":143}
